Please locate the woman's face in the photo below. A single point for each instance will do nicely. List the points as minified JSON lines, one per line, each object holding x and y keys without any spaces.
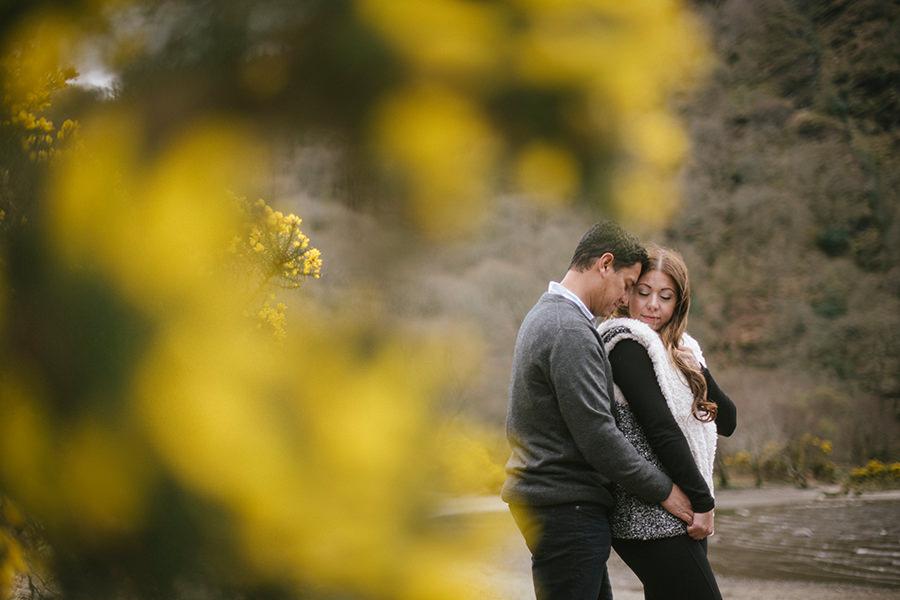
{"x":653,"y":299}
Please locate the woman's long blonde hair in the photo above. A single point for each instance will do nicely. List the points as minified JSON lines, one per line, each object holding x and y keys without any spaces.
{"x":672,"y":264}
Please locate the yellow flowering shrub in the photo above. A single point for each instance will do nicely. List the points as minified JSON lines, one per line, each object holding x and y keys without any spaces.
{"x":739,"y":460}
{"x":277,"y":237}
{"x":29,"y":79}
{"x":30,"y":74}
{"x":272,"y":252}
{"x":874,"y":475}
{"x":474,"y":458}
{"x":23,"y":111}
{"x":323,"y":436}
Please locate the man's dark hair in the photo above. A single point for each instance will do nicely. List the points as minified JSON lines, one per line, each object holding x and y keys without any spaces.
{"x":604,"y":237}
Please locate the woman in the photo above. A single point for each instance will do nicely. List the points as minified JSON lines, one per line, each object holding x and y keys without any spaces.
{"x":668,"y":406}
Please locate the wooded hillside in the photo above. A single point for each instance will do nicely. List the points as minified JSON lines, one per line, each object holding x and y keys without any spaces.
{"x":790,"y":220}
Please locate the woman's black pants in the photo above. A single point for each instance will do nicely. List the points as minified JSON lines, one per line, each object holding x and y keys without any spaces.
{"x":674,"y":568}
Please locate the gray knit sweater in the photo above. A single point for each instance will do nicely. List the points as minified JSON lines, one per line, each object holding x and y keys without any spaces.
{"x":564,"y":441}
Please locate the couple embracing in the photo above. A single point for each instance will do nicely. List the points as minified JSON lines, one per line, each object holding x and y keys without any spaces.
{"x":613,"y":427}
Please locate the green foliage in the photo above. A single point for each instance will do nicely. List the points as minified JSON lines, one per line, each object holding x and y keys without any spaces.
{"x":830,"y":307}
{"x":833,"y":241}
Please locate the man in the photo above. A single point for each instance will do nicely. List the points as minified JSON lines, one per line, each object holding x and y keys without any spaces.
{"x":566,"y":448}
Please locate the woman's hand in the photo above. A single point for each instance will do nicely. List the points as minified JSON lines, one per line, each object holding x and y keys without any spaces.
{"x":702,"y":525}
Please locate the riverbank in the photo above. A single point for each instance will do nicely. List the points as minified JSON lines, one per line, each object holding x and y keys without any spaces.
{"x":508,"y":574}
{"x":727,"y":499}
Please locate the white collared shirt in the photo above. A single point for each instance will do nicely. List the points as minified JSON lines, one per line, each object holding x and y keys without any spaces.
{"x":561,"y":290}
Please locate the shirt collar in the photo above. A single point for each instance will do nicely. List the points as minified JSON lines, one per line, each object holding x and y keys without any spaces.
{"x":560,"y":290}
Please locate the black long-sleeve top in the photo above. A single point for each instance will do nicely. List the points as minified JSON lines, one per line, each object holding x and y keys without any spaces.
{"x":633,"y":373}
{"x":726,"y":415}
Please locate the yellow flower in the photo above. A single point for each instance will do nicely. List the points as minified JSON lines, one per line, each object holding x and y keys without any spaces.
{"x":431,"y":135}
{"x":455,"y":38}
{"x":547,"y":172}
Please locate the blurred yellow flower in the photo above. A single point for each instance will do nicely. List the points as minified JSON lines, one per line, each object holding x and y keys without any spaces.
{"x":168,"y":214}
{"x":445,"y":150}
{"x":644,"y":196}
{"x":547,"y":173}
{"x":103,"y":477}
{"x":658,"y":139}
{"x":26,"y":432}
{"x":457,"y":39}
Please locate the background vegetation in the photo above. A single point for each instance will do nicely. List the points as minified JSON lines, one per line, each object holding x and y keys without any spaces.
{"x":791,"y":219}
{"x":789,"y":225}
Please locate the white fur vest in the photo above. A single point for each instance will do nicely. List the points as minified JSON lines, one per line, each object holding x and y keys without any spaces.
{"x":629,"y":519}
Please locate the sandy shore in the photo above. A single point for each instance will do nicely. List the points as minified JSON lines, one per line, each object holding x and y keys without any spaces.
{"x":508,"y":574}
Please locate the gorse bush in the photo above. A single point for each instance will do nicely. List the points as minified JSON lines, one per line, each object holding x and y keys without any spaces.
{"x":874,"y":475}
{"x":797,"y":461}
{"x":273,"y":253}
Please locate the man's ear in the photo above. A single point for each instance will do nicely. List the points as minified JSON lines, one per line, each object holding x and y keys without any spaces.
{"x":605,"y":262}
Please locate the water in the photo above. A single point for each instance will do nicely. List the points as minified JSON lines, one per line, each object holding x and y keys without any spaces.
{"x":851,"y":541}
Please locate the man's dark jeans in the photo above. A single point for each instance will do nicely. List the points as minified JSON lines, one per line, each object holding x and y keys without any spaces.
{"x":569,"y":545}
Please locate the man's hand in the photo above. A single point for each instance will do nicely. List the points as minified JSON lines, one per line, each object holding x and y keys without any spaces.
{"x":702,"y":525}
{"x":688,"y":356}
{"x":678,"y":504}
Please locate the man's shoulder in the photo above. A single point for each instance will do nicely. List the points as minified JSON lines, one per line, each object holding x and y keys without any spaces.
{"x":558,"y":304}
{"x":556,"y":322}
{"x":556,"y":312}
